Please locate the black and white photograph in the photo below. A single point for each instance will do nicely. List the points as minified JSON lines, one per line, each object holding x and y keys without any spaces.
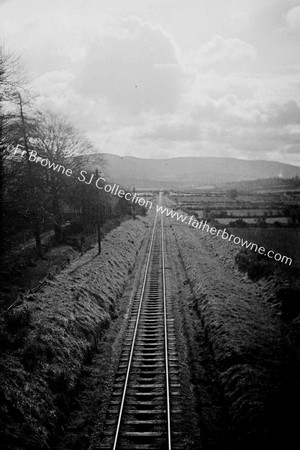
{"x":150,"y":224}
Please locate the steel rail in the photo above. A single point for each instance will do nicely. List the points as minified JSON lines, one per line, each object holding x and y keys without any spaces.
{"x":166,"y":338}
{"x":134,"y":337}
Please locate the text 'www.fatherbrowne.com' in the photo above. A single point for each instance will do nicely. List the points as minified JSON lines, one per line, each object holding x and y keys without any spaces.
{"x":203,"y":226}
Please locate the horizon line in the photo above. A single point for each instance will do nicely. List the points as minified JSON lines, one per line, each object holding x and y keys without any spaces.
{"x":190,"y":156}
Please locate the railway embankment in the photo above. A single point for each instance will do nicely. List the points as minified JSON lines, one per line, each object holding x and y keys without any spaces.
{"x":47,"y":339}
{"x":248,"y":338}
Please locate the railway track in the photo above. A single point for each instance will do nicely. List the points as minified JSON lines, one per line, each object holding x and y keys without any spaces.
{"x":145,"y":409}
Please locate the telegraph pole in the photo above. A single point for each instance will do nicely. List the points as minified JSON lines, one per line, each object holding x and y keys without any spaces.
{"x":98,"y":217}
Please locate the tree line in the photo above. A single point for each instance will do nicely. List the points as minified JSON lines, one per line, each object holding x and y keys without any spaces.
{"x":34,"y":198}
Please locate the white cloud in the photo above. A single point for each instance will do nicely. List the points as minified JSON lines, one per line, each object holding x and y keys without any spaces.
{"x":228,"y":50}
{"x":138,"y":71}
{"x":53,"y":91}
{"x":240,"y":17}
{"x":231,"y":126}
{"x":54,"y":35}
{"x":126,"y":62}
{"x":165,"y":78}
{"x":293,"y":17}
{"x":53,"y":83}
{"x":286,"y":114}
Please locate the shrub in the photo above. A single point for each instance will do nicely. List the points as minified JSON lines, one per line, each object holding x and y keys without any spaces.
{"x":19,"y":317}
{"x":255,"y":265}
{"x":290,"y":302}
{"x":240,"y":223}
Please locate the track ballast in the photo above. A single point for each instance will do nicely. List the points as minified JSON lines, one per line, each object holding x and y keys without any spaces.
{"x":145,"y":409}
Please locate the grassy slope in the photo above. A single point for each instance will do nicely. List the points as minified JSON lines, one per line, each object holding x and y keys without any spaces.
{"x":48,"y":338}
{"x":243,"y":332}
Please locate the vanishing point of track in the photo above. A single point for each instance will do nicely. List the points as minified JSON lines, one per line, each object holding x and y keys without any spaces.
{"x":144,"y":411}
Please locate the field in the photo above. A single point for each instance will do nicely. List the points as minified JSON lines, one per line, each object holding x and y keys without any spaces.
{"x":282,"y":240}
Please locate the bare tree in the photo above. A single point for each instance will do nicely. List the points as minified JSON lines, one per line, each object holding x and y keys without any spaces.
{"x":12,"y":80}
{"x":56,"y":140}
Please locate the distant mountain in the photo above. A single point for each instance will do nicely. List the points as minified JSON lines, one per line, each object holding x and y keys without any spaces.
{"x":184,"y":172}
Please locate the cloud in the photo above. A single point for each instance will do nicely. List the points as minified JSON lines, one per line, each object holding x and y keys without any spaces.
{"x":53,"y":34}
{"x":53,"y":91}
{"x":293,"y":17}
{"x":292,"y":149}
{"x":53,"y":83}
{"x":227,"y":50}
{"x":231,"y":127}
{"x":229,"y":110}
{"x":80,"y":56}
{"x":160,"y":78}
{"x":138,"y":71}
{"x":240,"y":17}
{"x":126,"y":63}
{"x":175,"y":132}
{"x":287,"y":114}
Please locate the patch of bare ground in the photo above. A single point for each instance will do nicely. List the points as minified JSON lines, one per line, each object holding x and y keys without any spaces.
{"x":246,"y":342}
{"x":46,"y":341}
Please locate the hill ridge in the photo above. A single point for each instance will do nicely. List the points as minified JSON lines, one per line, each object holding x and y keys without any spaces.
{"x":185,"y":171}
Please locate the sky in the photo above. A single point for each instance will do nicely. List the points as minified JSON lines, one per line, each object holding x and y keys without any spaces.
{"x":165,"y":78}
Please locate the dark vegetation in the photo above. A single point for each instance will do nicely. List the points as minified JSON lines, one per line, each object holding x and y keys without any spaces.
{"x":255,"y":265}
{"x":44,"y":208}
{"x":284,"y":240}
{"x":258,"y":267}
{"x":47,"y":339}
{"x":47,"y":220}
